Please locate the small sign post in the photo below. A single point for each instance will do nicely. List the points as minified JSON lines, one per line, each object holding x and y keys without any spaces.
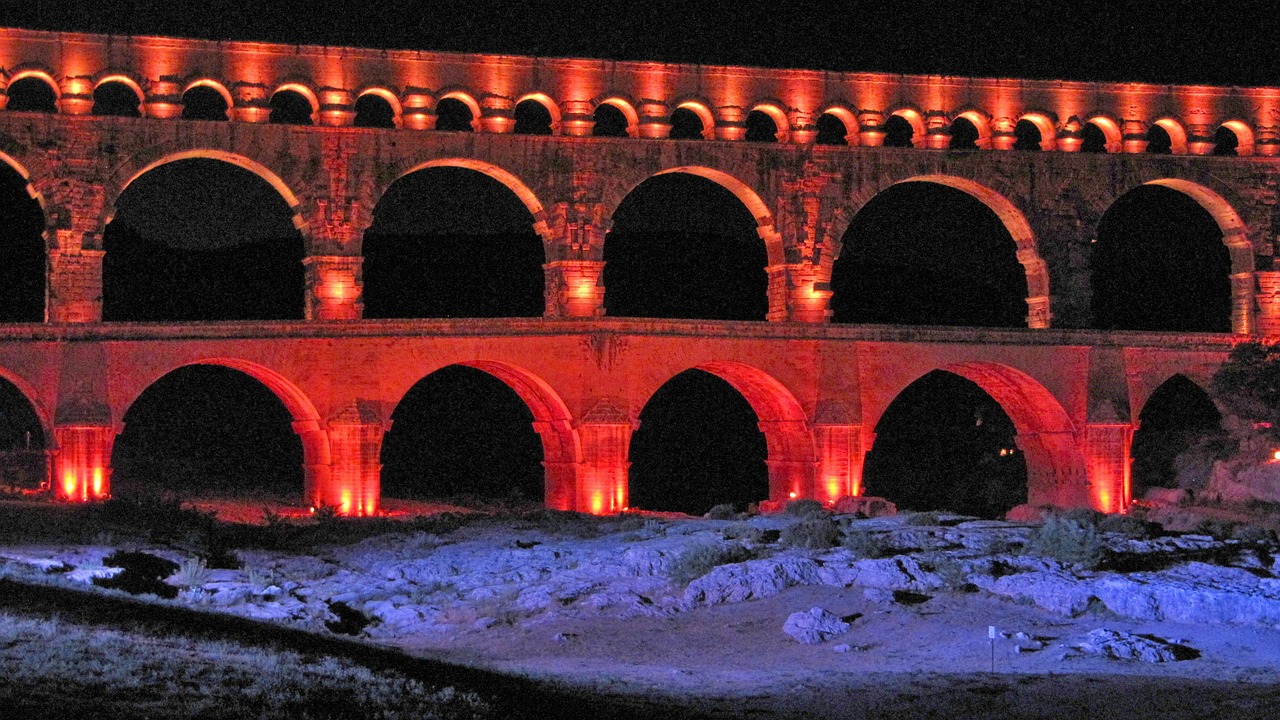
{"x":991,"y":639}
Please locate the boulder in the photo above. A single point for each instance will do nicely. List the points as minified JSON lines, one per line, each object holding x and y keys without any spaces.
{"x":753,"y":579}
{"x":815,"y":626}
{"x":1127,"y":646}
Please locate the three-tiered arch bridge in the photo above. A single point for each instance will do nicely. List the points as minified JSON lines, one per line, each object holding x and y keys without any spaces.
{"x":331,"y":129}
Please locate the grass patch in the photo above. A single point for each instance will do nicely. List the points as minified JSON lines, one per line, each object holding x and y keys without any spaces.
{"x":58,"y":668}
{"x":812,"y":533}
{"x":700,"y":559}
{"x":1069,"y":541}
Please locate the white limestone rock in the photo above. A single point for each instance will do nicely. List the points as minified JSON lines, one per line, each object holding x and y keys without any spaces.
{"x":1127,"y":646}
{"x":737,"y":582}
{"x":815,"y":626}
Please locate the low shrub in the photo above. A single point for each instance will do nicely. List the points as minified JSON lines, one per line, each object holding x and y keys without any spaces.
{"x":698,"y":560}
{"x":743,"y":531}
{"x":193,"y":572}
{"x":1069,"y":541}
{"x":865,"y":544}
{"x":723,"y":511}
{"x":812,"y":533}
{"x":803,"y":508}
{"x":931,"y":518}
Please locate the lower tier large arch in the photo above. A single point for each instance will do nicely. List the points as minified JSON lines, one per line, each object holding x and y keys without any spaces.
{"x":1045,"y":434}
{"x":306,"y":423}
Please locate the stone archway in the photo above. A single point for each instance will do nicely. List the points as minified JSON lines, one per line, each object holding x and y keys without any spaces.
{"x":318,"y":490}
{"x":1045,"y":434}
{"x":1015,"y":223}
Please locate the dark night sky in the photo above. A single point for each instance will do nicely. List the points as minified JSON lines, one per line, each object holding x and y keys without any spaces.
{"x":1230,"y":43}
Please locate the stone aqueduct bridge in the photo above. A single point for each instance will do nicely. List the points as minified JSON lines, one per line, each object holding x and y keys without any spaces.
{"x":818,"y":389}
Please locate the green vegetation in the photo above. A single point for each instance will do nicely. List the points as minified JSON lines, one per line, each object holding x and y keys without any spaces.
{"x":811,"y":533}
{"x":1070,"y":541}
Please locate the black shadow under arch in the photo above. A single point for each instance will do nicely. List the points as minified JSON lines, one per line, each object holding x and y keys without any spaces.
{"x":921,"y":253}
{"x":22,"y":251}
{"x":23,"y":459}
{"x":698,"y":445}
{"x":201,"y":239}
{"x":1159,"y":264}
{"x":207,"y":430}
{"x":461,"y":433}
{"x":945,"y":444}
{"x":683,"y":246}
{"x":1177,"y":416}
{"x":452,"y":242}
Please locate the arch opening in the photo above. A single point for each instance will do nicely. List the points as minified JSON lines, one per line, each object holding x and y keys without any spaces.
{"x":453,"y":241}
{"x":1225,"y":142}
{"x":468,"y":433}
{"x":1158,"y":141}
{"x":1160,"y":263}
{"x":374,"y":111}
{"x":832,"y":129}
{"x":611,"y":121}
{"x":964,"y":135}
{"x":198,"y":238}
{"x":454,"y":114}
{"x":1093,"y":139}
{"x":899,"y":132}
{"x":290,"y":106}
{"x":699,"y":444}
{"x":762,"y":127}
{"x":1027,"y":136}
{"x":685,"y":246}
{"x":687,"y":124}
{"x":1174,"y":443}
{"x":32,"y":93}
{"x":203,"y":101}
{"x":22,"y":250}
{"x":211,"y":430}
{"x":116,"y":98}
{"x":532,"y":118}
{"x":23,"y":456}
{"x":944,"y":443}
{"x":938,"y":251}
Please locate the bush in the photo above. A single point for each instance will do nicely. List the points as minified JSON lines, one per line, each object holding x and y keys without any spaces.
{"x":865,"y":544}
{"x":803,"y":508}
{"x":723,"y":511}
{"x":1069,"y":541}
{"x":743,"y":531}
{"x":931,"y":518}
{"x":700,"y":559}
{"x":813,"y":533}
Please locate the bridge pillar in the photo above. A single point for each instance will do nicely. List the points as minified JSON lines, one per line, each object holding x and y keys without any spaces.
{"x":790,"y":459}
{"x":1055,"y":475}
{"x":75,"y":282}
{"x":839,"y":460}
{"x":497,"y":114}
{"x":796,"y":295}
{"x":82,"y":463}
{"x":655,"y":119}
{"x":76,"y":97}
{"x":602,"y":486}
{"x":355,"y":477}
{"x":871,"y":131}
{"x":334,"y":287}
{"x":1109,"y":466}
{"x":337,"y":107}
{"x":1200,"y":139}
{"x":1242,"y":300}
{"x":731,"y":123}
{"x":252,"y":103}
{"x":574,"y":288}
{"x":417,"y":109}
{"x":164,"y":98}
{"x":1268,"y":302}
{"x":1267,"y":143}
{"x":578,"y":120}
{"x":1133,"y":136}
